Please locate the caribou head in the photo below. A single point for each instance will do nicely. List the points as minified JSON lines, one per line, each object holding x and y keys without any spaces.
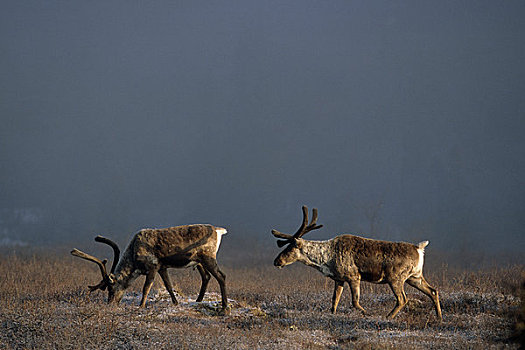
{"x":293,"y":252}
{"x":109,"y":280}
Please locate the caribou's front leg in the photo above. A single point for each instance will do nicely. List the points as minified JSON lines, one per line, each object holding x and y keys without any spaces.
{"x":338,"y":289}
{"x":150,"y":277}
{"x":355,"y":288}
{"x":167,"y":283}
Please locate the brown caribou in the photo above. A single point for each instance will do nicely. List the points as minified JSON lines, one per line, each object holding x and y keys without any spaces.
{"x":153,"y":251}
{"x":352,"y":259}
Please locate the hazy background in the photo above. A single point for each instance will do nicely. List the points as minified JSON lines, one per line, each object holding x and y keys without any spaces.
{"x":403,"y":120}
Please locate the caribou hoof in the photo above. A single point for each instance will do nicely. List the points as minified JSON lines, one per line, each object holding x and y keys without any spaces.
{"x":225,"y":311}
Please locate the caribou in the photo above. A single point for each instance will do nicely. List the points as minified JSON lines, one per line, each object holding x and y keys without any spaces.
{"x":352,"y":259}
{"x":153,"y":251}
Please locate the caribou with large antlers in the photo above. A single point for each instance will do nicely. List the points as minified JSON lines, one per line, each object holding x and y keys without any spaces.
{"x":353,"y":259}
{"x":153,"y":251}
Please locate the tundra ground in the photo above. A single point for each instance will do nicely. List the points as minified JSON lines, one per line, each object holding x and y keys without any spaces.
{"x":45,"y":303}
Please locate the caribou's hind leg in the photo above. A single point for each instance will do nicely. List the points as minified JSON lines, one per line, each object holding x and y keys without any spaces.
{"x":205,"y":276}
{"x":399,"y":292}
{"x":211,"y":266}
{"x":422,"y":285}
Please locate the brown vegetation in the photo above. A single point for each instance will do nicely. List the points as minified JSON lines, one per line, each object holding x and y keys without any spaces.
{"x":44,"y":303}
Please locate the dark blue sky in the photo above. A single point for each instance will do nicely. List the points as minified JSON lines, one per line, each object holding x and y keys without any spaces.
{"x":122,"y":115}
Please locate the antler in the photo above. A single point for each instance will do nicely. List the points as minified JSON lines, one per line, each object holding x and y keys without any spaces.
{"x":101,"y":265}
{"x":116,"y":256}
{"x":303,"y":229}
{"x":116,"y":250}
{"x":311,"y":226}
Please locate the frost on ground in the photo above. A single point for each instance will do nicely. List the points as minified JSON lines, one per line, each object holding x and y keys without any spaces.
{"x":245,"y":317}
{"x":471,"y":320}
{"x":40,"y":308}
{"x":160,"y":304}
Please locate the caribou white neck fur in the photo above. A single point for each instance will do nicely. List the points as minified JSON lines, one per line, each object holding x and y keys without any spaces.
{"x":317,"y":254}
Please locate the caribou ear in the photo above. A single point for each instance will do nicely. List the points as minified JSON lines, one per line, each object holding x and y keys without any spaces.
{"x":281,"y":243}
{"x":111,"y":279}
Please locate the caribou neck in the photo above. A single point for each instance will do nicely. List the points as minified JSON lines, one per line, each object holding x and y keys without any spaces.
{"x":126,"y":272}
{"x":317,"y":254}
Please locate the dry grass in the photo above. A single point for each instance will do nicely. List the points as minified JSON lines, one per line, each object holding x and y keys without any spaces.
{"x":44,"y":303}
